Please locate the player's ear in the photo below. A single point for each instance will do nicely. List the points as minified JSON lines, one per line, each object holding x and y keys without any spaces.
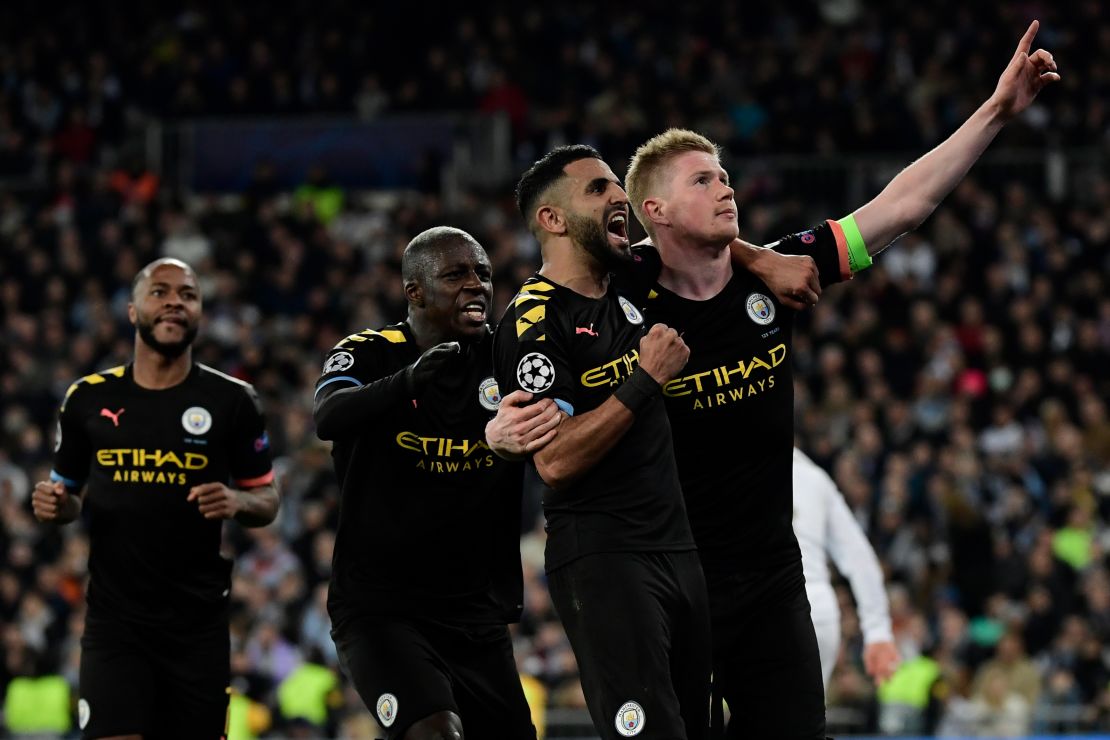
{"x":655,"y":210}
{"x":552,"y":219}
{"x":132,"y":314}
{"x":414,"y":293}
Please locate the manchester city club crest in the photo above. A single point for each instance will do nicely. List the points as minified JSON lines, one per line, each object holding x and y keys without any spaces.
{"x":630,"y":312}
{"x":196,"y":420}
{"x":760,"y":309}
{"x":489,"y":395}
{"x":630,"y":719}
{"x":387,"y":709}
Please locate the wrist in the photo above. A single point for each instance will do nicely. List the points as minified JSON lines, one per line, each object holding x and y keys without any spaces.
{"x":638,"y":391}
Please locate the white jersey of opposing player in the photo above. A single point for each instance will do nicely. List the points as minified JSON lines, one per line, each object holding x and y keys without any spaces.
{"x":826,"y":528}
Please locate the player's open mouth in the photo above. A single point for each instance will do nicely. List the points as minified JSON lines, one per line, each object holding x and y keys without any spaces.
{"x":617,"y":228}
{"x":475,"y":311}
{"x":173,"y":319}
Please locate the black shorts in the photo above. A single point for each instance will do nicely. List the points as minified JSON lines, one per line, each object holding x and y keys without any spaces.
{"x":766,"y":664}
{"x":154,"y":681}
{"x":639,"y":626}
{"x":408,"y":669}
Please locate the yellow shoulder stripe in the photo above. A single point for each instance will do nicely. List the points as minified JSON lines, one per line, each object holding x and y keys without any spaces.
{"x":523,"y":297}
{"x":393,"y":336}
{"x":538,"y":287}
{"x":95,"y":379}
{"x":652,"y":294}
{"x":530,"y":318}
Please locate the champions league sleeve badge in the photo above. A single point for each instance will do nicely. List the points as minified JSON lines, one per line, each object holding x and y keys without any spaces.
{"x":339,"y":361}
{"x":535,"y":373}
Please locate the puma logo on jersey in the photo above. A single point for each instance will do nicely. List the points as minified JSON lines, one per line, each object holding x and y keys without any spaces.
{"x":584,"y":330}
{"x":114,"y":417}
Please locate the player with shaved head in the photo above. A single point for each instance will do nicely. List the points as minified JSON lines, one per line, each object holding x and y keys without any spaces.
{"x":426,"y":572}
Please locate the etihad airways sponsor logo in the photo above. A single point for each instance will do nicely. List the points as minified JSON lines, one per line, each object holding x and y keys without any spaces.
{"x":729,"y":382}
{"x":158,"y":466}
{"x":114,"y":458}
{"x":613,"y":372}
{"x":446,"y":455}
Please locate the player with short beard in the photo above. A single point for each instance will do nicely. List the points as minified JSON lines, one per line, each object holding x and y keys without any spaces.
{"x":732,"y":407}
{"x":621,"y":565}
{"x":157,"y":454}
{"x":426,"y":572}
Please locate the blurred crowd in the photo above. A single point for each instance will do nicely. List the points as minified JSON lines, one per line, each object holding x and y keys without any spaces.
{"x":957,"y":391}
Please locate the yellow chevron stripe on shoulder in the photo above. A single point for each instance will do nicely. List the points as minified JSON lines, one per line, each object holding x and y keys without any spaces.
{"x":530,"y":318}
{"x":652,"y":294}
{"x":392,"y":335}
{"x":95,"y":379}
{"x":537,"y":287}
{"x":525,"y":297}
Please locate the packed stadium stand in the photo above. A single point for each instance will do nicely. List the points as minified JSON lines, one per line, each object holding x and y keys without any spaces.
{"x":957,"y":392}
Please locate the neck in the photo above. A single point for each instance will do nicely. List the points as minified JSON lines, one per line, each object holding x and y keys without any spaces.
{"x":425,"y":333}
{"x":155,"y":371}
{"x":571,"y":266}
{"x":693,"y":270}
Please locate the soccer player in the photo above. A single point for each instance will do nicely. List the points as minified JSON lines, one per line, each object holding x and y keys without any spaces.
{"x":146,"y":451}
{"x":621,"y":565}
{"x":732,"y":408}
{"x":426,"y":571}
{"x":826,"y":528}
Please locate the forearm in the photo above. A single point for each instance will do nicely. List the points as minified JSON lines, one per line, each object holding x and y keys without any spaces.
{"x":346,"y":412}
{"x":257,"y":506}
{"x":582,"y":442}
{"x":70,"y":508}
{"x":916,"y":191}
{"x":744,"y":255}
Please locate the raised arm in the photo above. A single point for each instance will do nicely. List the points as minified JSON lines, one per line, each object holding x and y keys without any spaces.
{"x":915,"y":192}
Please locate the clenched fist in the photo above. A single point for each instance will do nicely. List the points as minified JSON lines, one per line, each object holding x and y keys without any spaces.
{"x":50,"y":502}
{"x":663,"y":353}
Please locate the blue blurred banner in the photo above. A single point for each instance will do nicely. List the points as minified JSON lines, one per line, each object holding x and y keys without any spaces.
{"x":400,"y":152}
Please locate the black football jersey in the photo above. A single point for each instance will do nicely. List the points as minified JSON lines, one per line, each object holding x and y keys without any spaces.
{"x":732,"y":410}
{"x":429,"y":521}
{"x":152,"y":555}
{"x":558,"y":344}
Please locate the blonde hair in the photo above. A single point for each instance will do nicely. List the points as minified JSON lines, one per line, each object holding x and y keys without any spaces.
{"x":648,"y":169}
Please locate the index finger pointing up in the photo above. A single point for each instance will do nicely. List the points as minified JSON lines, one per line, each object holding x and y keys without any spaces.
{"x":1026,"y":42}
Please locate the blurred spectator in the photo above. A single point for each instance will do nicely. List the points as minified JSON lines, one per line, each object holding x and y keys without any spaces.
{"x":968,"y":429}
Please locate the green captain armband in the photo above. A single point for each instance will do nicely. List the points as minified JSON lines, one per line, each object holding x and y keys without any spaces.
{"x":858,"y":258}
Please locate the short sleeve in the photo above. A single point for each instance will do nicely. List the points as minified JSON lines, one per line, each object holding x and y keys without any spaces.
{"x":251,"y":465}
{"x":355,"y":361}
{"x":531,"y":349}
{"x":72,"y":448}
